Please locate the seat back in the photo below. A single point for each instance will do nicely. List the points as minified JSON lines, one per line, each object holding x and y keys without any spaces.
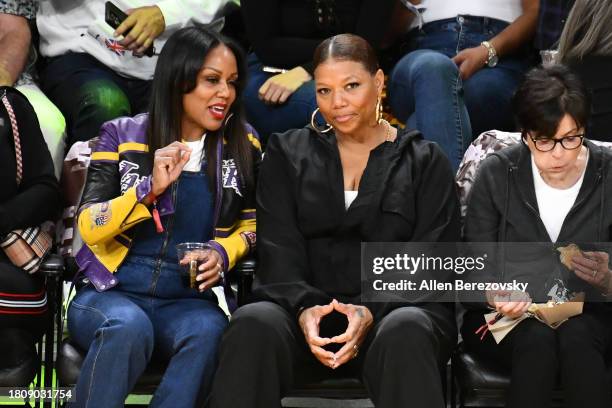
{"x":72,"y":182}
{"x":479,"y":149}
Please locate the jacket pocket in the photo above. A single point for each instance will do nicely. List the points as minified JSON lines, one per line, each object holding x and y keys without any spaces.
{"x":398,"y":215}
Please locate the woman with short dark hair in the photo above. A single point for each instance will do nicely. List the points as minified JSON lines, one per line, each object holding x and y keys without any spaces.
{"x":323,"y":190}
{"x":552,"y":189}
{"x":184,"y":172}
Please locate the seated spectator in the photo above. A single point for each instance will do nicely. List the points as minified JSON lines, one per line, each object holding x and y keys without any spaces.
{"x":17,"y":69}
{"x":553,"y":187}
{"x":284,"y":34}
{"x":29,"y":203}
{"x":462,"y":69}
{"x":135,"y":302}
{"x":318,"y":198}
{"x":586,"y":47}
{"x":91,"y":77}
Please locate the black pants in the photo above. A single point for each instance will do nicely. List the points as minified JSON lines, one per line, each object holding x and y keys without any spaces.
{"x":263,"y":354}
{"x":573,"y":356}
{"x":89,"y":93}
{"x":23,"y":312}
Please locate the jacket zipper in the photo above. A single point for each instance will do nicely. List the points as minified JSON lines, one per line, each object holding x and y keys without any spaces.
{"x":529,"y":206}
{"x":162,"y":252}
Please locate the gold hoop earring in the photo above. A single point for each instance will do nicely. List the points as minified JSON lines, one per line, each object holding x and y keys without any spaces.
{"x":379,"y":111}
{"x":314,"y":124}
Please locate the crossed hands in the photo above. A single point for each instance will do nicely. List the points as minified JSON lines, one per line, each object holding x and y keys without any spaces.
{"x":359,"y":323}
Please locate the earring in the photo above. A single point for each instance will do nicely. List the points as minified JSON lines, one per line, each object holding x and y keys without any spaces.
{"x":227,"y":119}
{"x":314,"y":124}
{"x":379,"y":111}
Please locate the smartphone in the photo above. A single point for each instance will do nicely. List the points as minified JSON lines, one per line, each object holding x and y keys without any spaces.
{"x":114,"y":16}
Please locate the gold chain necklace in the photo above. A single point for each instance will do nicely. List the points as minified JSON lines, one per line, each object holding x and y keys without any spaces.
{"x":388,"y":136}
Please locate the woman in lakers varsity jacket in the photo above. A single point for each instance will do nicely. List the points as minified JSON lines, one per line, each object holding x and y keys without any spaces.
{"x":184,"y":172}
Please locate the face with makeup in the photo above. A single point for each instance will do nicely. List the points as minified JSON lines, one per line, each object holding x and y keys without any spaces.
{"x":347,"y":94}
{"x":207,"y":105}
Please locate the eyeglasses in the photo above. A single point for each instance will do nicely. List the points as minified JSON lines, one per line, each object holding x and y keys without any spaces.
{"x":567,"y":142}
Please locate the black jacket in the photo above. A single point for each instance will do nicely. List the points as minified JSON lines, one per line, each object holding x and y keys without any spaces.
{"x":309,"y":246}
{"x":285,"y":33}
{"x":37,"y":198}
{"x":594,"y":71}
{"x":502,"y":206}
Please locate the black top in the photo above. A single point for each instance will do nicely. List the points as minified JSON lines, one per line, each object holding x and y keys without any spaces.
{"x":285,"y":33}
{"x":595,"y":73}
{"x":37,"y":199}
{"x":503,"y":207}
{"x":309,"y":246}
{"x":551,"y":20}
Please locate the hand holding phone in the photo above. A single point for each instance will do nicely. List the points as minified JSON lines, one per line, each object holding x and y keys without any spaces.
{"x":139,"y":28}
{"x":113,"y":15}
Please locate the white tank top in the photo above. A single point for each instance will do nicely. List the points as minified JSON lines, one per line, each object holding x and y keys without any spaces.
{"x":505,"y":10}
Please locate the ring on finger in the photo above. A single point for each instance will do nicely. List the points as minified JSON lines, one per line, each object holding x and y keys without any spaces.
{"x":594,"y":273}
{"x":221,"y":274}
{"x":356,"y":348}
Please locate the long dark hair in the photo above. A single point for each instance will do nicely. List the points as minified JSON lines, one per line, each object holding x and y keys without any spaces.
{"x":176,"y":74}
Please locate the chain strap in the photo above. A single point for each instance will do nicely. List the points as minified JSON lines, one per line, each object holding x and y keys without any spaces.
{"x":13,"y":120}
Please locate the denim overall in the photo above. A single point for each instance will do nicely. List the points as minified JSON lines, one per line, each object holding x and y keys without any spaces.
{"x":152,"y":312}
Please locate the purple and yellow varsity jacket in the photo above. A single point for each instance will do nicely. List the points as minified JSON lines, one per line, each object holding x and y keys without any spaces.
{"x":119,"y":178}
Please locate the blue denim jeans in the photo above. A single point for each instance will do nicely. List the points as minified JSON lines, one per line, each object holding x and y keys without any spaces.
{"x":152,"y":313}
{"x":267,"y":119}
{"x":123,"y":328}
{"x":425,"y":89}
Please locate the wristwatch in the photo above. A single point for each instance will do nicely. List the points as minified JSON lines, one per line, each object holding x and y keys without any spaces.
{"x":492,"y":58}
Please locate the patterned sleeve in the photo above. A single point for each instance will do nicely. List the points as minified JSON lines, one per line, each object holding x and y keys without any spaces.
{"x":481,"y":147}
{"x":24,"y":8}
